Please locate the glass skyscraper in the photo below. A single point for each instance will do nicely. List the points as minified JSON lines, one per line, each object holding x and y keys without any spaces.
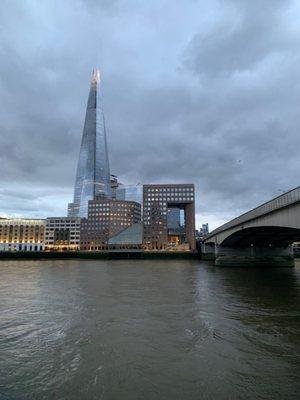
{"x":93,"y":174}
{"x":130,"y":193}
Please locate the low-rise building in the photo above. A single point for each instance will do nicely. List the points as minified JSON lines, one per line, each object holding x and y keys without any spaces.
{"x":106,"y":218}
{"x":62,"y":233}
{"x":18,"y":234}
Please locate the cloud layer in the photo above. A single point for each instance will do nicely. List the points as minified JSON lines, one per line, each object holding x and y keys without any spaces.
{"x":203,"y":92}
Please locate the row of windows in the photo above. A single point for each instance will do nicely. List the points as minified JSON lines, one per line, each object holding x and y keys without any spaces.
{"x":16,"y":228}
{"x":62,"y":225}
{"x":52,"y":236}
{"x":22,"y":247}
{"x":61,"y":221}
{"x":162,"y":207}
{"x":18,"y":241}
{"x":166,"y":199}
{"x":97,"y":213}
{"x":112,"y":216}
{"x":114,"y":210}
{"x":99,"y":205}
{"x":170,"y":189}
{"x":56,"y":244}
{"x":3,"y":236}
{"x":21,"y":226}
{"x":98,"y":208}
{"x":53,"y":229}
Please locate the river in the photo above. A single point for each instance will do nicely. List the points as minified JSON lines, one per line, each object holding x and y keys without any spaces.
{"x":150,"y":329}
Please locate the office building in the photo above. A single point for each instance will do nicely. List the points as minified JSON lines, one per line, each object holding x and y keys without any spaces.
{"x":204,"y":230}
{"x":157,"y":200}
{"x":62,"y":233}
{"x":18,"y":234}
{"x":93,"y":173}
{"x":106,"y":218}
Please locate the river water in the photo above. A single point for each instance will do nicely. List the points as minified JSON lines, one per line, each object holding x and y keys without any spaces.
{"x":151,"y":329}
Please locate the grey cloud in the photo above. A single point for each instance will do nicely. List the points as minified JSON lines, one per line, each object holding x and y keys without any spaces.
{"x":217,"y":106}
{"x":255,"y":30}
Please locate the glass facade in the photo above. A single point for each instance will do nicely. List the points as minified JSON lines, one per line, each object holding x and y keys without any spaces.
{"x":132,"y":236}
{"x":93,"y":174}
{"x":130,"y":193}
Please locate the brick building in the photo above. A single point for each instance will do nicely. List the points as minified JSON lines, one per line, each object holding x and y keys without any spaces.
{"x":106,"y":218}
{"x":157,"y":200}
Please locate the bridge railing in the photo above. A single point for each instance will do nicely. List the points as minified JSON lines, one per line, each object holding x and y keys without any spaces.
{"x":284,"y":200}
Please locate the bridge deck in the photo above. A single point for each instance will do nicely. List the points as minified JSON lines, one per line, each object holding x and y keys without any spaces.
{"x":284,"y":200}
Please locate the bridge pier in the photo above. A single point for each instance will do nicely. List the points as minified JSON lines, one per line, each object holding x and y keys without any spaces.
{"x":208,"y":251}
{"x":254,"y":256}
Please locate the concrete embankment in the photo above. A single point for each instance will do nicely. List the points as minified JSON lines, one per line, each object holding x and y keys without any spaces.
{"x":95,"y":255}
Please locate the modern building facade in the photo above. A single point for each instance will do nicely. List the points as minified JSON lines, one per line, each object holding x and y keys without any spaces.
{"x":157,"y":200}
{"x":93,"y":173}
{"x":204,"y":230}
{"x":173,"y":218}
{"x":106,"y":218}
{"x":62,"y":233}
{"x":18,"y":234}
{"x":129,"y":239}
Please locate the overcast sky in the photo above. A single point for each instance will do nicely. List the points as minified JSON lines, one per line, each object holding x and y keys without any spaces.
{"x":204,"y":92}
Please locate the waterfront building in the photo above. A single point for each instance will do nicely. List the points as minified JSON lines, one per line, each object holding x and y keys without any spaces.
{"x":93,"y":173}
{"x":106,"y":218}
{"x":157,"y":200}
{"x":17,"y":234}
{"x":62,"y":233}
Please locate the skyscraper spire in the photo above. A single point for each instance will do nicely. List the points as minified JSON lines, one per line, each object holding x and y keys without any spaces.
{"x":93,"y":174}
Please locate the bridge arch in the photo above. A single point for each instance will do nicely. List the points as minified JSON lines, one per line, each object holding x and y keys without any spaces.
{"x":262,"y":236}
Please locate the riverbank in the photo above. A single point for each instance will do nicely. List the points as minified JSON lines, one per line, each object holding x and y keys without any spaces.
{"x":105,"y":255}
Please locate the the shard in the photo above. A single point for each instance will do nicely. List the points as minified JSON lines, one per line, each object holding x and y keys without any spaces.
{"x":93,"y":175}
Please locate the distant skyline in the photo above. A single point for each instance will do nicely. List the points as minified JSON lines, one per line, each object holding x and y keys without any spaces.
{"x":194,"y":92}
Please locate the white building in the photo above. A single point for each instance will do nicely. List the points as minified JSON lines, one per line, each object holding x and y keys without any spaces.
{"x":18,"y":234}
{"x":62,"y":233}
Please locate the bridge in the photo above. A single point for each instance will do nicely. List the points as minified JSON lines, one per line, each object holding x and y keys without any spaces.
{"x":260,"y":237}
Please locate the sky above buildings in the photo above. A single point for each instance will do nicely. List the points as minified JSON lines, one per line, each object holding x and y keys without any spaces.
{"x":194,"y":91}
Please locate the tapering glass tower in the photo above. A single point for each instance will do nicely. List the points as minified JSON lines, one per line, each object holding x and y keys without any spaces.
{"x":93,"y":175}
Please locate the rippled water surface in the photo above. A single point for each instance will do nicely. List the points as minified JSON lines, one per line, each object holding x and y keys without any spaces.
{"x":183,"y":329}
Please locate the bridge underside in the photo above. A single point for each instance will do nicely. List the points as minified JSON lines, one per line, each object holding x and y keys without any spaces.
{"x":256,"y":246}
{"x":263,"y":236}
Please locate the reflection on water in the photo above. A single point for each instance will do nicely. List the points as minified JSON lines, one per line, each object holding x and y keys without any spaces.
{"x":148,"y":330}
